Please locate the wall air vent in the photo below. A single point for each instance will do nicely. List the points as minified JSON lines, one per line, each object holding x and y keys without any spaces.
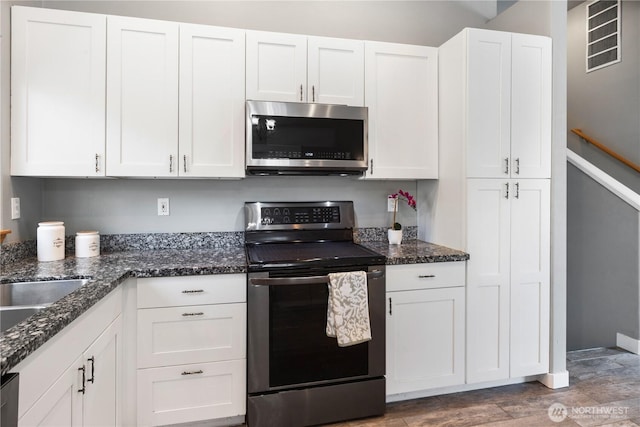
{"x":603,"y":34}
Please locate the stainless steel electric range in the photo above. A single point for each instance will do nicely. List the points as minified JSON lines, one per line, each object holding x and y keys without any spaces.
{"x":296,"y":375}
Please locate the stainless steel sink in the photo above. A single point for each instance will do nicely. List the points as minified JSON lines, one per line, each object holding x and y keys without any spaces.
{"x":37,"y":293}
{"x":20,"y":300}
{"x":10,"y":316}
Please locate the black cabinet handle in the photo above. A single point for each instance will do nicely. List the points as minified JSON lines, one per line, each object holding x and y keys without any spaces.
{"x":92,"y":360}
{"x":83,"y":389}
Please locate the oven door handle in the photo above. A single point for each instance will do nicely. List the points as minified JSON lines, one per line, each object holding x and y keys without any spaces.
{"x":309,"y":280}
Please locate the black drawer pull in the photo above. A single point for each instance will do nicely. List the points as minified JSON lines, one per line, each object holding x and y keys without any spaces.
{"x":426,"y":276}
{"x":199,"y":313}
{"x":192,"y":372}
{"x":193,"y":291}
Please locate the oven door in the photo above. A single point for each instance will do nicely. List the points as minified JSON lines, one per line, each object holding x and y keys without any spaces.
{"x":287,"y":342}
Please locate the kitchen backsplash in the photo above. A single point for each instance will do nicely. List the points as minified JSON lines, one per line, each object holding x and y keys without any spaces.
{"x":14,"y":252}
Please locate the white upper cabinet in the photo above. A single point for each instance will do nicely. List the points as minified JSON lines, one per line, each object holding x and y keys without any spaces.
{"x":276,"y":66}
{"x":211,"y":123}
{"x":98,"y":95}
{"x":335,"y":71}
{"x":401,"y":91}
{"x":297,"y":68}
{"x":57,"y":91}
{"x":508,"y":105}
{"x":142,"y":97}
{"x":531,"y":106}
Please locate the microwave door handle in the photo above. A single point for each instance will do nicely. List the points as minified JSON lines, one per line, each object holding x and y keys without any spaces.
{"x":310,"y":280}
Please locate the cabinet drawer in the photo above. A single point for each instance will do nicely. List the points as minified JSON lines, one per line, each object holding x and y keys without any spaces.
{"x":425,"y":276}
{"x":191,"y":290}
{"x":187,"y":393}
{"x":201,"y":333}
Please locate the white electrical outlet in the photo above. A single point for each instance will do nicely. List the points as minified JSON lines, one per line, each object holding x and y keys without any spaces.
{"x":391,"y":204}
{"x":15,"y":208}
{"x":163,"y":207}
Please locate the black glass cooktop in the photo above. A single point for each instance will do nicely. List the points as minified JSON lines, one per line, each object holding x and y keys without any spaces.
{"x":281,"y":255}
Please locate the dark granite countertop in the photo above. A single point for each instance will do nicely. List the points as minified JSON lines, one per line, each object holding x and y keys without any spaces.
{"x":415,"y":252}
{"x":109,"y":270}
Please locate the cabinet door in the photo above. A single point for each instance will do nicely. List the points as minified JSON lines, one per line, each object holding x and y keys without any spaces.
{"x":60,"y":405}
{"x":401,"y":91}
{"x":103,"y":362}
{"x":193,"y":334}
{"x":488,"y":224}
{"x":142,"y":97}
{"x":190,"y":393}
{"x":211,"y":102}
{"x":58,"y":95}
{"x":425,"y":339}
{"x":276,"y":66}
{"x":488,"y":104}
{"x":335,"y":71}
{"x":531,"y":106}
{"x":530,"y":277}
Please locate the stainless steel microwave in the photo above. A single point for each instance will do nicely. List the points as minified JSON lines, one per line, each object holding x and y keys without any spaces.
{"x":290,"y":138}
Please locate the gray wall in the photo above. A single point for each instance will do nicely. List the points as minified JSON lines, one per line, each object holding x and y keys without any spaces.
{"x":130,"y":205}
{"x":127,"y":206}
{"x":602,"y":265}
{"x":602,"y":240}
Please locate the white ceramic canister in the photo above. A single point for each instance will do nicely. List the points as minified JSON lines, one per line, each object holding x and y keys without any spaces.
{"x":50,"y":241}
{"x":87,"y":244}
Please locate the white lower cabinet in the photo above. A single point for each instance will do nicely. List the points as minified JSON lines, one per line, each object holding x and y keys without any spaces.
{"x":191,"y":353}
{"x":88,"y":391}
{"x":425,"y":326}
{"x":508,"y":289}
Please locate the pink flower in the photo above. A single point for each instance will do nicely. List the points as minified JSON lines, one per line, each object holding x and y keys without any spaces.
{"x":402,"y":195}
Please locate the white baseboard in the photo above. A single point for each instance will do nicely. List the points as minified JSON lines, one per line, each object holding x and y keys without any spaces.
{"x":628,"y":343}
{"x":418,"y":394}
{"x":555,"y":380}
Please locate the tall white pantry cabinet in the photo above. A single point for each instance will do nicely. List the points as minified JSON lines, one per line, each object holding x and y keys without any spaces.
{"x":493,"y":198}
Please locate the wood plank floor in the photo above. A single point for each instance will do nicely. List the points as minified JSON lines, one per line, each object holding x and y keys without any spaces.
{"x":604,"y":391}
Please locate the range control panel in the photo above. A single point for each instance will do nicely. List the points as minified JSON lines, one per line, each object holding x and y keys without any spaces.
{"x":300,"y":215}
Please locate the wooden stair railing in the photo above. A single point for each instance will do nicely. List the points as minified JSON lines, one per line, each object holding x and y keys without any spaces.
{"x":3,"y":234}
{"x":606,"y":149}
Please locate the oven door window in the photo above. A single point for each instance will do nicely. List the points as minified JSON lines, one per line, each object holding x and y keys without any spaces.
{"x":300,"y":351}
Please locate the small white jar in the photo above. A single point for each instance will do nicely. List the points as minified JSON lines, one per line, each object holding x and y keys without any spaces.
{"x":50,"y":241}
{"x":87,"y":244}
